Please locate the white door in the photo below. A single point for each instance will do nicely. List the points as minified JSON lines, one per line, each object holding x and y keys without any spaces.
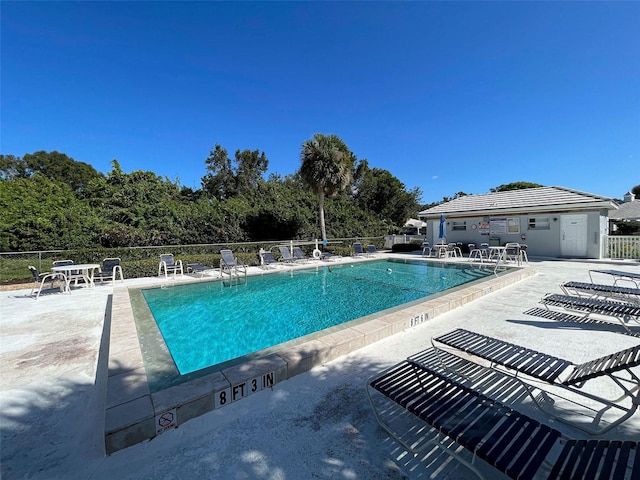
{"x":573,"y":235}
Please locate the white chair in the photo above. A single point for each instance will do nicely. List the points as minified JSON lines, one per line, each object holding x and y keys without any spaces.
{"x":426,"y":249}
{"x":109,"y":271}
{"x":168,"y":264}
{"x":39,"y":279}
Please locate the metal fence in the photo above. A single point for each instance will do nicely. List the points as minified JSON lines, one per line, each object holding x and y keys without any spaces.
{"x":14,"y":265}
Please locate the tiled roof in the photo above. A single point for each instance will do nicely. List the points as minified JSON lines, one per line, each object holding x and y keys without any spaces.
{"x":627,"y":211}
{"x":528,"y":199}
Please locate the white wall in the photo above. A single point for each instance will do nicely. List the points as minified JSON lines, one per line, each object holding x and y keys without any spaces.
{"x":539,"y":242}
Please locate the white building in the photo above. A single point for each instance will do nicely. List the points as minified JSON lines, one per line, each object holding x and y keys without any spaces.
{"x":551,"y":221}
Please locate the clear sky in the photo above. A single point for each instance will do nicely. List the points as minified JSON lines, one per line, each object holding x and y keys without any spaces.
{"x":447,"y":96}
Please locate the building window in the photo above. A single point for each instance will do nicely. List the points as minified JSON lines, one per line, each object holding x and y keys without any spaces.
{"x":513,"y":225}
{"x":538,"y":223}
{"x":459,"y":225}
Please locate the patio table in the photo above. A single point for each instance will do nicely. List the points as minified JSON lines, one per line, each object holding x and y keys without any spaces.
{"x":86,"y":273}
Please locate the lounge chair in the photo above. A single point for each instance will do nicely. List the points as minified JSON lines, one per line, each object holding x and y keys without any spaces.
{"x":39,"y":279}
{"x":357,"y":250}
{"x":286,"y":254}
{"x":199,"y":268}
{"x":555,"y":371}
{"x":426,"y":249}
{"x":623,"y":312}
{"x":619,"y":276}
{"x":109,"y":271}
{"x":299,"y":255}
{"x":606,"y":292}
{"x":230,"y":265}
{"x":324,"y":255}
{"x":168,"y":264}
{"x":506,"y":439}
{"x":371,"y":250}
{"x":267,"y":259}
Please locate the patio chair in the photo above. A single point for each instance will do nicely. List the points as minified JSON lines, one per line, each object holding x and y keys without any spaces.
{"x":512,"y":253}
{"x":230,"y":265}
{"x":555,"y":371}
{"x":39,"y":279}
{"x":109,"y":271}
{"x":508,"y":440}
{"x":357,"y":250}
{"x":371,"y":250}
{"x":623,"y":312}
{"x":606,"y":292}
{"x":426,"y":249}
{"x":299,"y":255}
{"x":285,"y":253}
{"x":168,"y":264}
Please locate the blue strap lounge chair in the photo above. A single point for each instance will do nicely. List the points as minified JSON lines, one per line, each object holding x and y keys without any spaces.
{"x":623,"y":312}
{"x":509,"y":441}
{"x":285,"y":253}
{"x":357,"y":250}
{"x":199,"y":268}
{"x":605,"y":292}
{"x":267,"y":259}
{"x":299,"y":255}
{"x":168,"y":264}
{"x":371,"y":250}
{"x":556,"y":371}
{"x":618,"y":276}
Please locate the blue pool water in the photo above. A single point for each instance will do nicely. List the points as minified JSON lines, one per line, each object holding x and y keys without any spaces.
{"x":209,"y":323}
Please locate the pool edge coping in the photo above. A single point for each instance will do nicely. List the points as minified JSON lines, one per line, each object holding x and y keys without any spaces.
{"x":133,"y":414}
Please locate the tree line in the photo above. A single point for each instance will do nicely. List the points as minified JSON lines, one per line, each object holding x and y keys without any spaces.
{"x":48,"y":200}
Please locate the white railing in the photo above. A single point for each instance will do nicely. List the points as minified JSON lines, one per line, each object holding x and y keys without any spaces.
{"x":622,"y":246}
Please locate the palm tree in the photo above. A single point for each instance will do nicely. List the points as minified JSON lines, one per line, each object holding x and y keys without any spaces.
{"x":327,"y":167}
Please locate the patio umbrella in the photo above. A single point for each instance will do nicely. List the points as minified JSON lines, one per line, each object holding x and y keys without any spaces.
{"x":443,"y":228}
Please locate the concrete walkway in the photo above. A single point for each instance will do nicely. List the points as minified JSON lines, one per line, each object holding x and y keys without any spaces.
{"x":316,"y":425}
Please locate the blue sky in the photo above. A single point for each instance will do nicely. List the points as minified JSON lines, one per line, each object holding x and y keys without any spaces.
{"x":447,"y":96}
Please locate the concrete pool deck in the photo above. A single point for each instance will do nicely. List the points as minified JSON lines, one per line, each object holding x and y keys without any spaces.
{"x":68,"y":359}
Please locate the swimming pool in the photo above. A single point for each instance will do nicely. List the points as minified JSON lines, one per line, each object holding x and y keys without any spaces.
{"x":211,"y":323}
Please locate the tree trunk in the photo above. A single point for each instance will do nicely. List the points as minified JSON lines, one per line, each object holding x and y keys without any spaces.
{"x":323,"y":230}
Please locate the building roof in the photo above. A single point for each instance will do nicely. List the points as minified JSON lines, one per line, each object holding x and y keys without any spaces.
{"x":627,"y":211}
{"x":518,"y":201}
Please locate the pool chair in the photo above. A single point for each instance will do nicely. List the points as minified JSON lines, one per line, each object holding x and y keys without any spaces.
{"x":168,"y":264}
{"x":605,"y":292}
{"x":371,"y":250}
{"x":199,"y":268}
{"x":39,"y":279}
{"x":357,"y":250}
{"x":109,"y":270}
{"x":619,"y":276}
{"x":519,"y":361}
{"x":285,"y":253}
{"x":513,"y":443}
{"x":622,"y":312}
{"x":426,"y":249}
{"x":230,"y":265}
{"x":299,"y":255}
{"x":267,"y":259}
